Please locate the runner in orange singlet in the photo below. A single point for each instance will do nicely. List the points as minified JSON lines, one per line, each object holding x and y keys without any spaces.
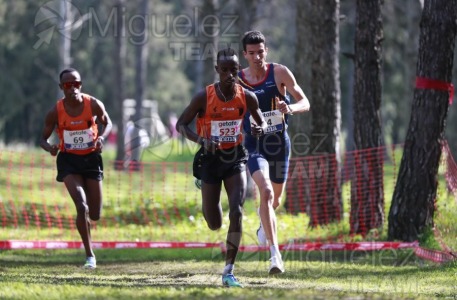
{"x":219,"y":110}
{"x":82,"y":125}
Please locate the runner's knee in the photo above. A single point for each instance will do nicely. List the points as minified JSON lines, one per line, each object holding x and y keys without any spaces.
{"x":276,"y":203}
{"x":94,"y":216}
{"x":236,"y":214}
{"x":82,"y":209}
{"x":214,"y":224}
{"x":267,"y":194}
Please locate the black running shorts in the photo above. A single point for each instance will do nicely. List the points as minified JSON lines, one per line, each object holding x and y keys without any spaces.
{"x":214,"y":167}
{"x":89,"y":165}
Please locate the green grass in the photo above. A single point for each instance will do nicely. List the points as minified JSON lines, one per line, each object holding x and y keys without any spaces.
{"x":162,"y":204}
{"x":194,"y":274}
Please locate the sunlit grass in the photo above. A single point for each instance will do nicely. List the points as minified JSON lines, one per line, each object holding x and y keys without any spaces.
{"x":195,"y":274}
{"x":161,"y":203}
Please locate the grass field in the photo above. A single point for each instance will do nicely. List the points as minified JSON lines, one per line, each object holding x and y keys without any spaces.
{"x":194,"y":274}
{"x":173,"y":205}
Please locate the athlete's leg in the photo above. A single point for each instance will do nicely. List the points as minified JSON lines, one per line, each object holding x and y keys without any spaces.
{"x":75,"y":186}
{"x":94,"y":196}
{"x":278,"y":190}
{"x":236,"y":191}
{"x":268,"y":218}
{"x":261,"y":178}
{"x":211,"y":204}
{"x":279,"y":169}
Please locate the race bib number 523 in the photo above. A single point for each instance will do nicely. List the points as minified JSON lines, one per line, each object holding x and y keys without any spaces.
{"x":225,"y":131}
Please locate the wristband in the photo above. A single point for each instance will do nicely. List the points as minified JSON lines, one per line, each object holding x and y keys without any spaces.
{"x":101,"y":139}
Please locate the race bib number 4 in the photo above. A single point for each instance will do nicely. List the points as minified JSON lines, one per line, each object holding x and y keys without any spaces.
{"x":274,"y":121}
{"x":78,"y":139}
{"x":225,"y":131}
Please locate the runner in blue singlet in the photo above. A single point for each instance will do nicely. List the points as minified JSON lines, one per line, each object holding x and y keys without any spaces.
{"x":268,"y":160}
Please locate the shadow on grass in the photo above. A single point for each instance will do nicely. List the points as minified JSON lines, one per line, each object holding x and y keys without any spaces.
{"x":298,"y":261}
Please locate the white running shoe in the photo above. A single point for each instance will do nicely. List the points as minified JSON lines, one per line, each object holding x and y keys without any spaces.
{"x":276,"y":265}
{"x":91,"y":263}
{"x":261,"y":237}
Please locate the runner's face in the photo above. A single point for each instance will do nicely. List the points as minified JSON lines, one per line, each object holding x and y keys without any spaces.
{"x":71,"y":85}
{"x":256,"y":55}
{"x":227,"y":68}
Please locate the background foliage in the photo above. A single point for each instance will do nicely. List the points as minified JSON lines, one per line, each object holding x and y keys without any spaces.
{"x":29,"y":84}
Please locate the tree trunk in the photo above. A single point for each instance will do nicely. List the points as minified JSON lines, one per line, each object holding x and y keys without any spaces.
{"x":208,"y":38}
{"x":296,"y":201}
{"x":142,"y":52}
{"x":248,"y":17}
{"x":119,"y":58}
{"x":325,"y":199}
{"x":299,"y":125}
{"x":134,"y":146}
{"x":367,"y":195}
{"x":401,"y":28}
{"x":413,"y":203}
{"x":65,"y":40}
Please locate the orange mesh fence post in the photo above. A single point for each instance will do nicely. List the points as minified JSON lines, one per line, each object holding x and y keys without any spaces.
{"x":4,"y":217}
{"x":186,"y":171}
{"x":336,"y":209}
{"x":20,"y":187}
{"x":70,"y":220}
{"x":151,"y":192}
{"x":133,"y":167}
{"x":8,"y":188}
{"x":143,"y":208}
{"x":58,"y":217}
{"x":14,"y":214}
{"x":313,"y":193}
{"x":356,"y":211}
{"x":31,"y":184}
{"x":175,"y":186}
{"x":143,"y":212}
{"x":164,"y":192}
{"x":36,"y":214}
{"x":43,"y":178}
{"x":301,"y":195}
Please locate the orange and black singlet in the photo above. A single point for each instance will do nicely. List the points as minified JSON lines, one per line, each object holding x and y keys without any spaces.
{"x":223,"y":121}
{"x":77,"y":135}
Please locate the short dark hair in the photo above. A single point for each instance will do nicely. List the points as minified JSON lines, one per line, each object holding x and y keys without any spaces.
{"x":226,"y":53}
{"x":252,"y":37}
{"x":67,"y":70}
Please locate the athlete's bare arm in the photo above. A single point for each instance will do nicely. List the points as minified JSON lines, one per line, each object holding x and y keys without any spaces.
{"x":103,"y":119}
{"x":286,"y":82}
{"x":50,"y":122}
{"x":252,"y":104}
{"x":196,"y":107}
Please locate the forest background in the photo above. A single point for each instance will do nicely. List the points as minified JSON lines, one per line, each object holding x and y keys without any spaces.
{"x":179,"y":40}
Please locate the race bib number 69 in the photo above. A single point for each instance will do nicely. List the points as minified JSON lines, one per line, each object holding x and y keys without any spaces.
{"x":78,"y":139}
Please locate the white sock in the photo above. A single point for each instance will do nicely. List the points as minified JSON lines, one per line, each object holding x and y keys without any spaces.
{"x":274,"y":251}
{"x":228,"y":269}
